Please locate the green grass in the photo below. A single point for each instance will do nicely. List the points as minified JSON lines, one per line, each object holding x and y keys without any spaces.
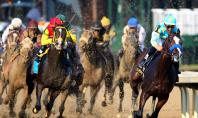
{"x":191,"y":67}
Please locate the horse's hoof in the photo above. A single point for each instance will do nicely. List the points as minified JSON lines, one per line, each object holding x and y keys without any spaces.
{"x":35,"y":111}
{"x":147,"y":115}
{"x":22,"y":114}
{"x":104,"y":104}
{"x":12,"y":114}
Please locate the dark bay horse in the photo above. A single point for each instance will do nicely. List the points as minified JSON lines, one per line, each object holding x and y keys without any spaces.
{"x":159,"y":77}
{"x":54,"y":72}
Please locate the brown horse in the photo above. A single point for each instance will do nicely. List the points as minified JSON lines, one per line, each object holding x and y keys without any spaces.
{"x":94,"y":66}
{"x":54,"y":73}
{"x":125,"y":64}
{"x":16,"y":76}
{"x":159,"y":77}
{"x":11,"y":49}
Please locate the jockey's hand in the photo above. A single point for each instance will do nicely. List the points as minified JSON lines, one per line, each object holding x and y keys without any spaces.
{"x":159,"y":48}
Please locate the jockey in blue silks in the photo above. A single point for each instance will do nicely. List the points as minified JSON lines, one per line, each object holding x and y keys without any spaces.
{"x":163,"y":31}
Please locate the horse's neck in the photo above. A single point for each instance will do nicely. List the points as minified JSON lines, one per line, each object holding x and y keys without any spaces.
{"x":54,"y":57}
{"x":164,"y":64}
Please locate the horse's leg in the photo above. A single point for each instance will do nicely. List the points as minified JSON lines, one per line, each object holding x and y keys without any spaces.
{"x":50,"y":104}
{"x":143,"y":98}
{"x":104,"y":103}
{"x":108,"y":87}
{"x":121,"y":94}
{"x":116,"y":83}
{"x":82,"y":90}
{"x":10,"y":94}
{"x":62,"y":106}
{"x":93,"y":92}
{"x":160,"y":104}
{"x":24,"y":103}
{"x":79,"y":103}
{"x":39,"y":89}
{"x":135,"y":93}
{"x":30,"y":83}
{"x":2,"y":87}
{"x":11,"y":106}
{"x":46,"y":98}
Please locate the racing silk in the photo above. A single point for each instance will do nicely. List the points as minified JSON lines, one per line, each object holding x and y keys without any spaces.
{"x":71,"y":36}
{"x":141,"y":35}
{"x":47,"y":35}
{"x":160,"y":34}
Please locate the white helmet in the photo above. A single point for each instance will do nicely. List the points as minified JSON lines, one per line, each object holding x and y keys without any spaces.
{"x":16,"y":22}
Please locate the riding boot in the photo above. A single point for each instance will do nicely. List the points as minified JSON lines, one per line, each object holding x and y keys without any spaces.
{"x":35,"y":65}
{"x":177,"y":67}
{"x":37,"y":60}
{"x":147,"y":59}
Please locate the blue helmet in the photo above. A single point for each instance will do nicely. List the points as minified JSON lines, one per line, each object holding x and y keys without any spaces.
{"x":132,"y":22}
{"x":170,"y":20}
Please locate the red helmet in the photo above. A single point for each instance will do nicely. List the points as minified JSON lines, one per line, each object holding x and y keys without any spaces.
{"x":55,"y":21}
{"x":32,"y":24}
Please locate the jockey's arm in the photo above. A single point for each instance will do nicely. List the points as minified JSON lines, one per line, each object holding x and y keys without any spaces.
{"x":45,"y":39}
{"x":5,"y":35}
{"x":156,"y":41}
{"x":71,"y":36}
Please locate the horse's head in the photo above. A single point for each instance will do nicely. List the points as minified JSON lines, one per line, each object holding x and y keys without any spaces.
{"x":13,"y":38}
{"x":60,"y":38}
{"x":172,"y":46}
{"x":26,"y":49}
{"x":131,"y":40}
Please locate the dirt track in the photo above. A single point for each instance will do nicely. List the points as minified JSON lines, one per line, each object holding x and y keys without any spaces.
{"x":170,"y":110}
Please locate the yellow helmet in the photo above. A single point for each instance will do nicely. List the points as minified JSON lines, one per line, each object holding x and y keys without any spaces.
{"x":105,"y":21}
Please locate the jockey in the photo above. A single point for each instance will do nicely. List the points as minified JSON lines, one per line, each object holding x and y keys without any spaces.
{"x":103,"y":45}
{"x":66,"y":24}
{"x":72,"y":37}
{"x":48,"y":34}
{"x":107,"y":29}
{"x":163,"y":30}
{"x":134,"y":26}
{"x":33,"y":32}
{"x":16,"y":24}
{"x":46,"y":40}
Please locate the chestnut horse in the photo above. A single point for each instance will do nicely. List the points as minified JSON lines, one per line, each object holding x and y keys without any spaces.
{"x":159,"y":77}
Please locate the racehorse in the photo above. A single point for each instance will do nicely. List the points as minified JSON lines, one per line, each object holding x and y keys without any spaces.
{"x":54,"y":72}
{"x":125,"y":64}
{"x":94,"y":66}
{"x":11,"y":45}
{"x":159,"y":77}
{"x":14,"y":73}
